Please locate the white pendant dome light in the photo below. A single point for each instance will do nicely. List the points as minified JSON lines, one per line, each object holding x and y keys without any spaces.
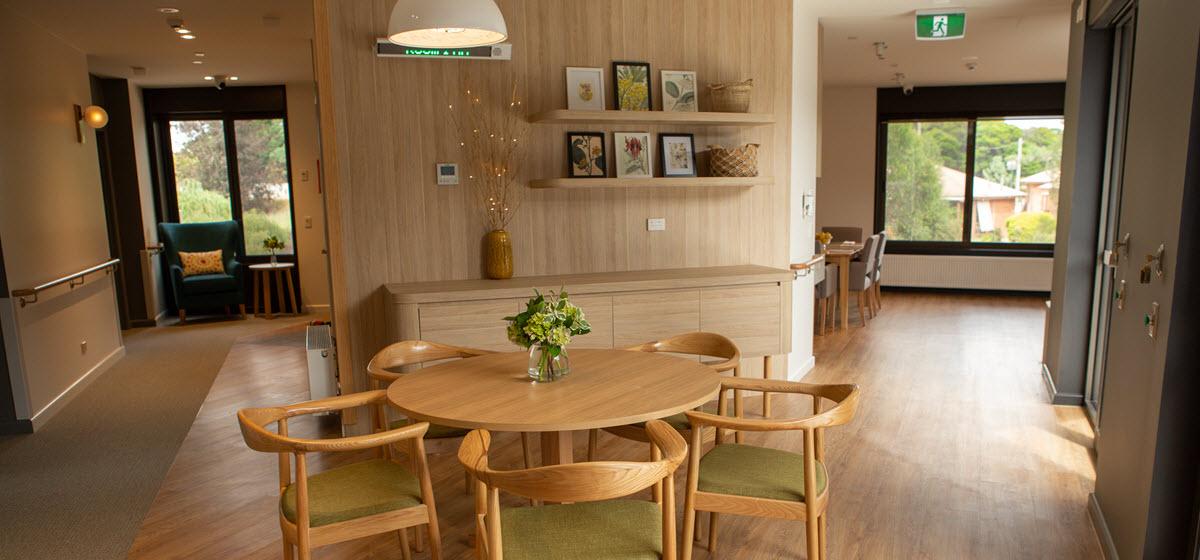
{"x":446,"y":23}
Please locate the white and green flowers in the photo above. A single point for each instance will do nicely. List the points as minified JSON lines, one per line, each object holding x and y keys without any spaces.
{"x":546,"y":328}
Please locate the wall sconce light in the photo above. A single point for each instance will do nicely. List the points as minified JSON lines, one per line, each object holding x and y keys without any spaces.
{"x":93,"y":116}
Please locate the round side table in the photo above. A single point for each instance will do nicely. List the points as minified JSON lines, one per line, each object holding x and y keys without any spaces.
{"x":283,"y":273}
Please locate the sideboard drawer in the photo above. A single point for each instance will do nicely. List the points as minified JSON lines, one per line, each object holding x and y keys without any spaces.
{"x":648,"y":316}
{"x":750,"y":315}
{"x":474,"y":324}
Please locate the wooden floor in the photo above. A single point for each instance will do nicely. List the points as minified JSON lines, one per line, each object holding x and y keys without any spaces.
{"x":954,"y":454}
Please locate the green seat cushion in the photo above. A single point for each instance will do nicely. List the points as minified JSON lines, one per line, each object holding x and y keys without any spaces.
{"x":756,"y":472}
{"x":209,"y":284}
{"x":680,"y":421}
{"x":608,"y":530}
{"x":435,"y":431}
{"x":354,"y":491}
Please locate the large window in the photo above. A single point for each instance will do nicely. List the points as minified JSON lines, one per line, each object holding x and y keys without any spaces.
{"x":982,"y":183}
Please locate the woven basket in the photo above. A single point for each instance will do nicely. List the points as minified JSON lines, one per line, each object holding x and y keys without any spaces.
{"x":736,"y":162}
{"x":733,"y":97}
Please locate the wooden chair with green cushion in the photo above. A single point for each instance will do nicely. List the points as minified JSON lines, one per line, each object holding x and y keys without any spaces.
{"x":763,"y":482}
{"x":348,"y":502}
{"x":590,"y":523}
{"x":702,"y":344}
{"x":404,"y":357}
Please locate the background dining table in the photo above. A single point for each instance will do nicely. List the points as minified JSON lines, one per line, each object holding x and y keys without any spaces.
{"x":841,"y":254}
{"x":604,"y":388}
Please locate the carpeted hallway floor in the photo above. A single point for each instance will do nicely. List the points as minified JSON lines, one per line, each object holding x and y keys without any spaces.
{"x":80,"y":486}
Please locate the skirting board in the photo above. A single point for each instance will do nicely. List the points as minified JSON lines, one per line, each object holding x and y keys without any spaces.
{"x":1101,"y":526}
{"x":48,"y":411}
{"x":803,"y":369}
{"x":1073,"y":399}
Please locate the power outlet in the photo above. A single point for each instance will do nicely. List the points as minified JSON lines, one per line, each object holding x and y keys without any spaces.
{"x":656,"y":224}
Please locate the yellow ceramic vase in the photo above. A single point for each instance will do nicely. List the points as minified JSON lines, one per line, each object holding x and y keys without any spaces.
{"x":497,"y":255}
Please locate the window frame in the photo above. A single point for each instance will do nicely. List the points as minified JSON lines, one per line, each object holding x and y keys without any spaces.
{"x":960,"y":103}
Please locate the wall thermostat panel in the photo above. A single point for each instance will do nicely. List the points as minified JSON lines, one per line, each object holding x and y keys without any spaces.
{"x":447,"y":174}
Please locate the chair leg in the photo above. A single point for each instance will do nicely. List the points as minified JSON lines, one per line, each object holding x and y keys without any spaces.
{"x":182,"y":316}
{"x":814,"y":544}
{"x":822,"y":537}
{"x":435,"y":538}
{"x":822,"y":308}
{"x":527,"y":450}
{"x":766,"y":397}
{"x":418,"y":541}
{"x":656,"y":455}
{"x":405,"y":551}
{"x":593,"y":440}
{"x":712,"y":534}
{"x":691,"y":529}
{"x":289,"y":552}
{"x":878,"y":295}
{"x":862,"y":309}
{"x":242,"y":309}
{"x":467,"y":482}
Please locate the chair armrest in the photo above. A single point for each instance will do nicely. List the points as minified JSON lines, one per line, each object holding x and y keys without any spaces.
{"x":253,"y":423}
{"x":234,"y":269}
{"x":176,"y":274}
{"x":846,"y":396}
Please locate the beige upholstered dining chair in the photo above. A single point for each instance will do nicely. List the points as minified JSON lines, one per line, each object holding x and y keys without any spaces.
{"x":702,"y":344}
{"x":348,"y":502}
{"x":825,"y":291}
{"x":590,"y":523}
{"x":764,"y":482}
{"x":861,"y":279}
{"x":877,"y":291}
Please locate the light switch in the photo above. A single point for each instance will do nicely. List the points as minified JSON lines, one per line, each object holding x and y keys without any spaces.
{"x":308,"y":222}
{"x":656,"y":224}
{"x":1151,"y":320}
{"x":304,"y":176}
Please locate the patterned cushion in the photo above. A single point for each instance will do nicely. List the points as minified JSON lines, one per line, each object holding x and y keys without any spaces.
{"x":608,"y":530}
{"x":354,"y":491}
{"x":756,"y":472}
{"x":207,"y":262}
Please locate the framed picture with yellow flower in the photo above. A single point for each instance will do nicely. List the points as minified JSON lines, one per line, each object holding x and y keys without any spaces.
{"x":631,"y":83}
{"x":585,"y":89}
{"x":586,"y":155}
{"x":633,"y":154}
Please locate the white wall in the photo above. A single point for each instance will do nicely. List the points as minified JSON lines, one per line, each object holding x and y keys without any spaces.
{"x":156,"y":302}
{"x":805,"y":93}
{"x":308,"y":199}
{"x":846,"y":197}
{"x":51,"y":220}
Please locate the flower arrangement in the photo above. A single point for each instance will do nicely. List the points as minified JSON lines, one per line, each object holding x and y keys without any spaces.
{"x":546,"y":328}
{"x":273,"y":244}
{"x":824,"y":237}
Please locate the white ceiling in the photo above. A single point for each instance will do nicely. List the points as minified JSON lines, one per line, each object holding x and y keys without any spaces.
{"x":1012,"y":40}
{"x":120,"y":34}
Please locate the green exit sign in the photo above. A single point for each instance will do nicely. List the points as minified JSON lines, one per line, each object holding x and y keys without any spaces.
{"x":941,"y":26}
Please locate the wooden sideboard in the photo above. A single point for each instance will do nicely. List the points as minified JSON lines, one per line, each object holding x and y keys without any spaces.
{"x":750,"y":304}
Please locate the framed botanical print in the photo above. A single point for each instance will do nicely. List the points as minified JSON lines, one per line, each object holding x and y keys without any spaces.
{"x":586,"y":155}
{"x":631,"y":83}
{"x":633,"y":154}
{"x":678,"y":155}
{"x":679,"y":91}
{"x":585,"y":89}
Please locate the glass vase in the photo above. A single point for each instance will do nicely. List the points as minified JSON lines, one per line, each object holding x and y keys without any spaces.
{"x":545,"y":367}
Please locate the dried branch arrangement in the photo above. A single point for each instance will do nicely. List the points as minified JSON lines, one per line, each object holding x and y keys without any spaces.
{"x":493,"y":136}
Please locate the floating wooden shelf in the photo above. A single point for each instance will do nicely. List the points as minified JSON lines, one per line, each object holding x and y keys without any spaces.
{"x":656,"y":182}
{"x":563,"y":116}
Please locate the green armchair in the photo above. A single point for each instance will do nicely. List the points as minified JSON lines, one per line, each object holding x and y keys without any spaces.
{"x":204,"y":290}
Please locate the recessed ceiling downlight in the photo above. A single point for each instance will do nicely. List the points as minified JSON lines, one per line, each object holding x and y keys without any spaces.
{"x":168,"y":10}
{"x":209,"y":78}
{"x":187,"y":37}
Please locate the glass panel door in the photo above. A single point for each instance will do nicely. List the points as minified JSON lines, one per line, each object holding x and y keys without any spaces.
{"x":201,"y":170}
{"x":262,"y":172}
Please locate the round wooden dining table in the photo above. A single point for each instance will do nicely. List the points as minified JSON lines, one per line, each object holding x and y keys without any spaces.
{"x":605,"y":388}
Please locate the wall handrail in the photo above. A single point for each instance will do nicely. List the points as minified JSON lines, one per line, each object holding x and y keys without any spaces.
{"x":30,"y":295}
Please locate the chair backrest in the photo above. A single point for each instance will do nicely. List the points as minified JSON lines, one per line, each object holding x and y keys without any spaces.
{"x":410,"y":353}
{"x":829,"y":286}
{"x":879,"y":253}
{"x":869,"y":254}
{"x":703,"y":344}
{"x":199,"y":237}
{"x":578,"y":482}
{"x":844,"y":233}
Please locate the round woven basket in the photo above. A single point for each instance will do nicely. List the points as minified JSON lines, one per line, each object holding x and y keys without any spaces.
{"x":733,"y":162}
{"x":732,"y":97}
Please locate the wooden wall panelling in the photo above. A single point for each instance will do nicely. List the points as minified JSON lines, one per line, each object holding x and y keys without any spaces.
{"x":599,"y":313}
{"x":384,"y":125}
{"x":649,"y":316}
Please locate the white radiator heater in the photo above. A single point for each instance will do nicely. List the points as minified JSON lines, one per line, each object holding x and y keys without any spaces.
{"x":966,"y":272}
{"x":322,"y":363}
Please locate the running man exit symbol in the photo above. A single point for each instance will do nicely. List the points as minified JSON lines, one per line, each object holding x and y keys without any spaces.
{"x":940,"y":26}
